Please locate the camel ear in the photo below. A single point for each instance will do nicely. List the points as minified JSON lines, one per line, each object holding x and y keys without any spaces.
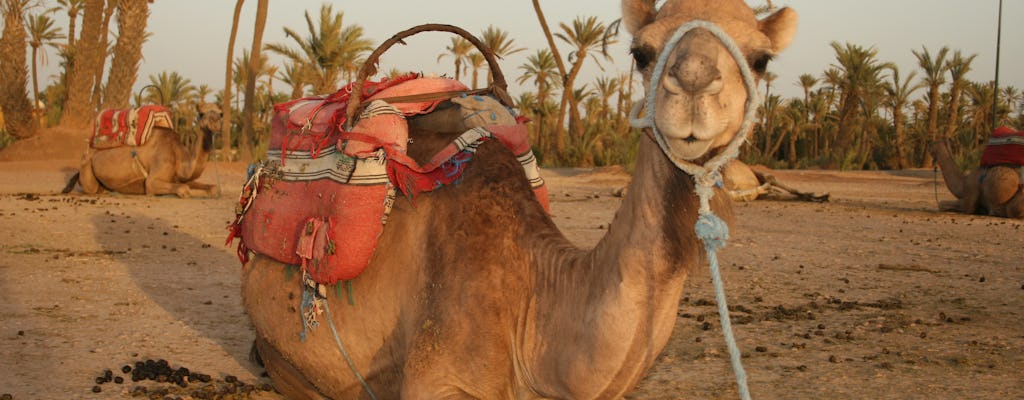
{"x":637,"y":14}
{"x":780,"y":28}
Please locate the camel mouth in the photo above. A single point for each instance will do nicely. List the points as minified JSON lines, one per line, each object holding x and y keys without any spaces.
{"x":689,"y":148}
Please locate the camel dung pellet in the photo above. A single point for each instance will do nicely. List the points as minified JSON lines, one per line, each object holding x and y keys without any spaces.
{"x":760,"y":349}
{"x":982,"y":279}
{"x":97,"y":389}
{"x":118,"y":380}
{"x":6,"y":396}
{"x":126,"y":369}
{"x":230,"y":379}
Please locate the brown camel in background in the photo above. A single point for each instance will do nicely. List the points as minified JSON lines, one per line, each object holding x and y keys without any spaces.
{"x":162,"y":165}
{"x":474,"y":293}
{"x":996,"y":191}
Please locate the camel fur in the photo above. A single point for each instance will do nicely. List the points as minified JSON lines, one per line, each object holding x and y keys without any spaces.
{"x":162,"y":165}
{"x":996,"y":191}
{"x":474,"y":293}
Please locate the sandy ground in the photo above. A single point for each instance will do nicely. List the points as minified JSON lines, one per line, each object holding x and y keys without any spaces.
{"x":874,"y":295}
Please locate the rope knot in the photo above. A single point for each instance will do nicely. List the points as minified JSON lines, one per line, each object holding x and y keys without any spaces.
{"x":712,"y":230}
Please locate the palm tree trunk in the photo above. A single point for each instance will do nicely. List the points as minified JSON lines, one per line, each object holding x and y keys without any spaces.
{"x":14,"y":101}
{"x":248,"y":133}
{"x":97,"y":98}
{"x":563,"y":105}
{"x":35,"y":78}
{"x":225,"y":101}
{"x":78,"y":108}
{"x":131,"y":23}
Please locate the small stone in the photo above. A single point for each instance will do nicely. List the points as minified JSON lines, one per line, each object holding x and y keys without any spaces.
{"x":760,"y":349}
{"x":833,"y":359}
{"x":22,"y":333}
{"x":982,"y":279}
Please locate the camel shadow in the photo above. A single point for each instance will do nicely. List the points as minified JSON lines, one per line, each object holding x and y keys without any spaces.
{"x":193,"y":280}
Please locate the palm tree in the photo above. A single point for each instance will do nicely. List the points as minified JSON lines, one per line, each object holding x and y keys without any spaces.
{"x":41,"y":31}
{"x":459,"y":51}
{"x":898,"y":96}
{"x":559,"y":130}
{"x":584,"y":36}
{"x":14,"y":101}
{"x":225,"y":123}
{"x":807,"y":83}
{"x":328,"y":49}
{"x":958,"y":67}
{"x":500,"y":43}
{"x":861,"y":79}
{"x":934,"y":77}
{"x":201,"y":92}
{"x":248,"y":137}
{"x":542,"y":69}
{"x":169,"y":89}
{"x":73,"y":7}
{"x":295,"y":76}
{"x":131,"y":27}
{"x":88,"y":55}
{"x":104,"y":44}
{"x":476,"y":61}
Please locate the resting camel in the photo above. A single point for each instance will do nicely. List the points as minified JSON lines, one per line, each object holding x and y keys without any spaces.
{"x":162,"y":165}
{"x":474,"y":293}
{"x":996,"y":191}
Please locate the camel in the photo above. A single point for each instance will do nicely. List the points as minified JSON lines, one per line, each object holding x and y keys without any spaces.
{"x":996,"y":191}
{"x":162,"y":165}
{"x":473,"y":292}
{"x":745,"y":184}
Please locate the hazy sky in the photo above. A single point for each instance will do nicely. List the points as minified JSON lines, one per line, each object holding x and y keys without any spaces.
{"x":190,"y":36}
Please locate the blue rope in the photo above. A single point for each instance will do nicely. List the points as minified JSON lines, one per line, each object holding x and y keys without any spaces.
{"x":344,"y":353}
{"x":711,"y":229}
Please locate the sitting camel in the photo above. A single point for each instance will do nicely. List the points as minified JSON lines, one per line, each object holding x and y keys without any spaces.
{"x":474,"y":293}
{"x":996,"y":191}
{"x":161,"y":165}
{"x":745,"y":184}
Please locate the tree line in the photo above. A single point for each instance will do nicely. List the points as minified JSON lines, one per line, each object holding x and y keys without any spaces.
{"x":861,"y":112}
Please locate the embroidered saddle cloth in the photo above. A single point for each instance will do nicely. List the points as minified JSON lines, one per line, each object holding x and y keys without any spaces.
{"x":1005,"y":147}
{"x":130,"y":127}
{"x":322,"y":198}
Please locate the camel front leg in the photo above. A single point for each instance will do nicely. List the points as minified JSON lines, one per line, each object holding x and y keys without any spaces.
{"x":156,"y":186}
{"x":207,"y":189}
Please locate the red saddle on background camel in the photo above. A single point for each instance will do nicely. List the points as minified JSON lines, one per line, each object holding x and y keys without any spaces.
{"x":1005,"y":147}
{"x":128,"y":127}
{"x":323,"y":196}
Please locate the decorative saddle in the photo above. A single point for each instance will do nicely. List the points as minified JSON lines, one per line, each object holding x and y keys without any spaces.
{"x":322,"y":198}
{"x":1005,"y":147}
{"x":128,"y":127}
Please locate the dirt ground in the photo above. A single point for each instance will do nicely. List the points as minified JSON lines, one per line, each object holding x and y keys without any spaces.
{"x":874,"y":295}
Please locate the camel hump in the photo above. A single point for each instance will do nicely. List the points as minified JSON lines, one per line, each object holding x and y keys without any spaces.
{"x":128,"y":127}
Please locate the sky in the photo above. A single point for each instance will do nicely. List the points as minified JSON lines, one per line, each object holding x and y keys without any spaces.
{"x":190,"y":36}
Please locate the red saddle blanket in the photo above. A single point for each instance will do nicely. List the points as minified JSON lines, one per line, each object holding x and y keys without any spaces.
{"x":322,"y":198}
{"x":130,"y":127}
{"x":1005,"y":147}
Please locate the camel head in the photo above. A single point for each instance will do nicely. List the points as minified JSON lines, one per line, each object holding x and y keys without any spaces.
{"x":700,"y":98}
{"x":208,"y":116}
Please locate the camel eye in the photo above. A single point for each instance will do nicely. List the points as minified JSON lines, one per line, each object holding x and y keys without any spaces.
{"x":760,"y":63}
{"x":643,"y":55}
